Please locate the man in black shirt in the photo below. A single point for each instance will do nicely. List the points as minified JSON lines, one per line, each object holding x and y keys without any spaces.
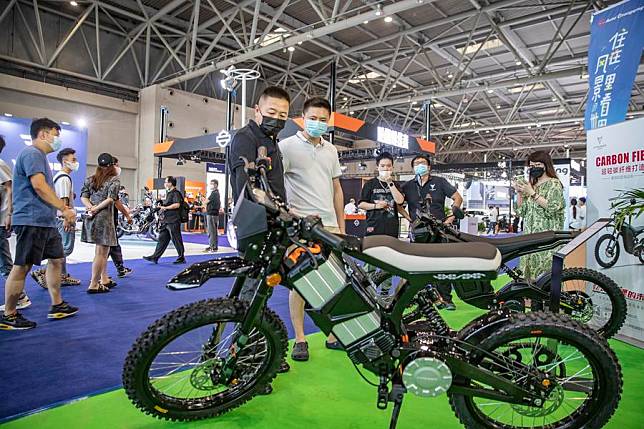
{"x":425,"y":186}
{"x":380,"y":198}
{"x":271,"y":112}
{"x":170,"y":223}
{"x":212,"y":215}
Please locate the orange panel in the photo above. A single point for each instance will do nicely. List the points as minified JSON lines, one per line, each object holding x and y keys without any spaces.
{"x":163,"y":147}
{"x":299,"y":121}
{"x":338,"y":120}
{"x":426,"y":145}
{"x":194,"y":187}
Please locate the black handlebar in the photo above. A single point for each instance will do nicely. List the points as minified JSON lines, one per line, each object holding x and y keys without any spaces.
{"x":312,"y":229}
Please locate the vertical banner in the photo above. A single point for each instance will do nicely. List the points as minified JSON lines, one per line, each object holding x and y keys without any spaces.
{"x":616,"y":42}
{"x":616,"y":163}
{"x":218,"y":172}
{"x":562,"y":167}
{"x":16,"y":132}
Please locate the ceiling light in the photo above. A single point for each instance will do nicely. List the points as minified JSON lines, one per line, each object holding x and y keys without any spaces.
{"x":527,"y":88}
{"x":487,"y":132}
{"x":490,"y":91}
{"x":388,"y":19}
{"x":469,"y":152}
{"x":351,"y":112}
{"x":379,"y":10}
{"x":8,"y":115}
{"x":498,"y":106}
{"x":504,"y":174}
{"x":450,"y":75}
{"x":345,"y":98}
{"x":73,"y":3}
{"x":291,"y":49}
{"x":450,"y":113}
{"x":82,"y":122}
{"x":518,"y":63}
{"x":393,"y":87}
{"x":299,"y":43}
{"x":490,"y":44}
{"x":538,"y":125}
{"x":554,"y":98}
{"x":365,"y":22}
{"x":414,"y":102}
{"x":65,"y":123}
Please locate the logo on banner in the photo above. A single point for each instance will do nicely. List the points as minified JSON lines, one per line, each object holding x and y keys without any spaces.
{"x":223,"y":138}
{"x":393,"y":137}
{"x":613,"y":58}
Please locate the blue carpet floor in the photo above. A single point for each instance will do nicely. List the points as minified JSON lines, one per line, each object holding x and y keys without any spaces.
{"x":82,"y":355}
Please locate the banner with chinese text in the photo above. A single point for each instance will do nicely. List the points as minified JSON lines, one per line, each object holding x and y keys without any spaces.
{"x":616,"y":42}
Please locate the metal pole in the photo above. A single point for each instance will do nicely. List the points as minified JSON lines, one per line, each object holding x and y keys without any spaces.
{"x":510,"y":192}
{"x":229,"y":127}
{"x":332,"y":90}
{"x":243,"y":103}
{"x":427,"y":119}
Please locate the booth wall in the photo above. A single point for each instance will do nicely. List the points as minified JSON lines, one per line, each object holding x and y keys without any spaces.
{"x":112,"y":125}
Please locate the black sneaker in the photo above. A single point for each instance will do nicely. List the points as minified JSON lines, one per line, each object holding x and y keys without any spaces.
{"x":61,"y":311}
{"x":15,"y":322}
{"x":334,"y":345}
{"x":124,"y":271}
{"x":300,"y":352}
{"x":267,"y":390}
{"x":284,"y":367}
{"x":151,"y":259}
{"x":180,"y":261}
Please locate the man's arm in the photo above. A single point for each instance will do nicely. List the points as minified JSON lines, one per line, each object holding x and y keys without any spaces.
{"x":8,"y":189}
{"x":399,"y":198}
{"x":338,"y":203}
{"x":47,"y":194}
{"x":458,"y":199}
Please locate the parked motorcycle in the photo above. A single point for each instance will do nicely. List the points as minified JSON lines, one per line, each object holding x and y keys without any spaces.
{"x":607,"y":248}
{"x":502,"y":370}
{"x":520,"y":294}
{"x":145,"y":222}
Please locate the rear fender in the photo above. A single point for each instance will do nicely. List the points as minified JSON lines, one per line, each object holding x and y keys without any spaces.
{"x":197,"y":274}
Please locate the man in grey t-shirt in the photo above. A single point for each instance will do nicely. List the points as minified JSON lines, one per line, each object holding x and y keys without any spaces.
{"x":34,"y":220}
{"x":312,"y":180}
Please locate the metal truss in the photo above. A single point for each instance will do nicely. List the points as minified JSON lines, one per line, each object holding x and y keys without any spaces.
{"x":485,"y":69}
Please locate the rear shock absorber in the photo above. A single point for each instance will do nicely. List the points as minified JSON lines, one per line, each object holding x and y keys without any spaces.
{"x":425,"y":300}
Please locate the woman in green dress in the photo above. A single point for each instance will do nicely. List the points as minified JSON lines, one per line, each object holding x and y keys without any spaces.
{"x":541,"y":205}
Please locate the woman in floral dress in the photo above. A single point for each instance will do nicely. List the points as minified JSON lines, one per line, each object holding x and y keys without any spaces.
{"x":541,"y":205}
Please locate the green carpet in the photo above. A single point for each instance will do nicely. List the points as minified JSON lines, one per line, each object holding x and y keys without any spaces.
{"x":325,"y":392}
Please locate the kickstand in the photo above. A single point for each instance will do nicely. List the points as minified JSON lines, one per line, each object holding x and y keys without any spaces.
{"x":396,"y":396}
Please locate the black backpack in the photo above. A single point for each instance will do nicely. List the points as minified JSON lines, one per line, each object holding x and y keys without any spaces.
{"x":184,"y":209}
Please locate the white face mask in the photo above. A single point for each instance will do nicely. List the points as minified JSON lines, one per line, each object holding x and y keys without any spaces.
{"x":72,"y":165}
{"x":118,"y":171}
{"x":384,"y":174}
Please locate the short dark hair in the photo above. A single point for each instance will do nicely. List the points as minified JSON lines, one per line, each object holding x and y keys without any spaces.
{"x":42,"y":124}
{"x":583,"y":200}
{"x":419,"y":156}
{"x":275,"y":92}
{"x":2,"y":143}
{"x":384,"y":155}
{"x":63,"y":153}
{"x":317,"y":102}
{"x":172,"y":180}
{"x":216,"y":181}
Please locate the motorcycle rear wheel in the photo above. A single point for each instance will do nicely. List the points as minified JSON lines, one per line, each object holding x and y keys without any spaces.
{"x":586,"y":372}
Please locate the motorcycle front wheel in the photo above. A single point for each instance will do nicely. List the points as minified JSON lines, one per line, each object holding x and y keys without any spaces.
{"x":584,"y":370}
{"x":607,"y":250}
{"x":174,"y":369}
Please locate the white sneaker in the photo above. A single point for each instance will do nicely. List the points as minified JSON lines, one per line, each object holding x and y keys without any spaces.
{"x":23,"y":302}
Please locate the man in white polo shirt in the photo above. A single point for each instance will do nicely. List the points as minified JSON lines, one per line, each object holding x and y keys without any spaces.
{"x":312,"y":180}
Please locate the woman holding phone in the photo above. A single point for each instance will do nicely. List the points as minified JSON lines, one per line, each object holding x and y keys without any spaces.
{"x":541,"y":205}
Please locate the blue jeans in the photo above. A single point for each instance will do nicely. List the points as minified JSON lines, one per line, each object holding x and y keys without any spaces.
{"x":6,"y":262}
{"x":68,"y":238}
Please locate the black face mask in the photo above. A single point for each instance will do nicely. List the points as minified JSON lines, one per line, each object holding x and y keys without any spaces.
{"x":272,"y":126}
{"x":536,"y":172}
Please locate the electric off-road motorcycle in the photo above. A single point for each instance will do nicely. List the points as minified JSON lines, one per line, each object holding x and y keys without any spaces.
{"x":607,"y":248}
{"x":520,"y":294}
{"x":503,"y":370}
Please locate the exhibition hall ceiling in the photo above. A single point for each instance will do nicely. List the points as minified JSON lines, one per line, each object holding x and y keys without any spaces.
{"x":393,"y":59}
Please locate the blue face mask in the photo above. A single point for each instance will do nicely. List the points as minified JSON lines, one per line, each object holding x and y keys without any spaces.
{"x":56,"y":144}
{"x":421,"y":170}
{"x":315,"y":128}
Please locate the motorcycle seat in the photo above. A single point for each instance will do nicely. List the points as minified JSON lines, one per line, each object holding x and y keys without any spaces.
{"x":432,"y":258}
{"x":521,"y":244}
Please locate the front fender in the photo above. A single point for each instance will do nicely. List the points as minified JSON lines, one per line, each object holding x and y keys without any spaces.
{"x":198,"y":274}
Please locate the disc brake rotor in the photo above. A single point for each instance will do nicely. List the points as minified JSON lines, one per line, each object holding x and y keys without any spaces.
{"x":203,"y":375}
{"x":551,"y":404}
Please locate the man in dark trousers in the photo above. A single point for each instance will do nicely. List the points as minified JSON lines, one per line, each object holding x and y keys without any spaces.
{"x":116,"y":253}
{"x":271,"y":112}
{"x":380,"y":198}
{"x":212,"y":215}
{"x":170,"y":223}
{"x":427,"y":187}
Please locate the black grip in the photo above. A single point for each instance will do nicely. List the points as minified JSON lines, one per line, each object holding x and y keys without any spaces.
{"x":326,"y":237}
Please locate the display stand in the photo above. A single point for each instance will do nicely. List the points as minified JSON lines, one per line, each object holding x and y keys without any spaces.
{"x":560,"y":255}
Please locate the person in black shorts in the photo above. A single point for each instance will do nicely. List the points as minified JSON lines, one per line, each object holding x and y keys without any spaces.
{"x":34,"y":220}
{"x":423,"y":187}
{"x":380,"y":198}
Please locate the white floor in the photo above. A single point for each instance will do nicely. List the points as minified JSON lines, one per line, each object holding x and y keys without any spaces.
{"x":133,"y":248}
